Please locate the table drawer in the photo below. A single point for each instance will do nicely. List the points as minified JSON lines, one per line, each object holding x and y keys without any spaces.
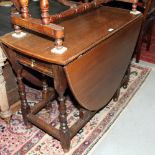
{"x":38,"y":65}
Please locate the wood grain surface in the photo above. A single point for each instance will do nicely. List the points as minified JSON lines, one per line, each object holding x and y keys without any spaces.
{"x":95,"y":76}
{"x":81,"y":34}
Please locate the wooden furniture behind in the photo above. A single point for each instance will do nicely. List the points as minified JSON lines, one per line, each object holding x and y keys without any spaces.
{"x":94,"y":67}
{"x":5,"y":112}
{"x":11,"y":84}
{"x":134,"y":3}
{"x":148,"y":8}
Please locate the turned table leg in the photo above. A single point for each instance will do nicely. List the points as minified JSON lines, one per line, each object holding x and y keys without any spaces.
{"x":45,"y":90}
{"x":5,"y":112}
{"x":116,"y":95}
{"x":127,"y":78}
{"x":64,"y":130}
{"x":25,"y":108}
{"x":60,"y":85}
{"x":45,"y":93}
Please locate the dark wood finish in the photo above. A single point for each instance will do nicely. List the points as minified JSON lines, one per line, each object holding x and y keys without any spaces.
{"x":44,"y":126}
{"x":73,"y":28}
{"x":24,"y":105}
{"x":116,"y":95}
{"x":50,"y":95}
{"x":124,"y":84}
{"x":11,"y":55}
{"x":51,"y":30}
{"x":43,"y":25}
{"x":73,"y":11}
{"x":147,"y":7}
{"x":92,"y":67}
{"x":60,"y":85}
{"x":126,"y":78}
{"x":110,"y":64}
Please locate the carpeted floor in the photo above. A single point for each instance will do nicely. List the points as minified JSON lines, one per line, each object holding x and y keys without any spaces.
{"x":16,"y":140}
{"x":149,"y":56}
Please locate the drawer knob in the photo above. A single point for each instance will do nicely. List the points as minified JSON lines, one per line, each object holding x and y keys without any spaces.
{"x":32,"y":62}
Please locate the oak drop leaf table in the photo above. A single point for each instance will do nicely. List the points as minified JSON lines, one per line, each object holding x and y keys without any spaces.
{"x":100,"y":44}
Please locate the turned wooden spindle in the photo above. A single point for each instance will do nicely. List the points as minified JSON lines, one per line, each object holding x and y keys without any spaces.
{"x":134,"y":6}
{"x":25,"y":108}
{"x":45,"y":90}
{"x":127,"y":78}
{"x":60,"y":85}
{"x":24,"y":8}
{"x":64,"y":130}
{"x":17,"y":29}
{"x":44,"y":5}
{"x":58,"y":43}
{"x":45,"y":93}
{"x":116,"y":95}
{"x":82,"y":111}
